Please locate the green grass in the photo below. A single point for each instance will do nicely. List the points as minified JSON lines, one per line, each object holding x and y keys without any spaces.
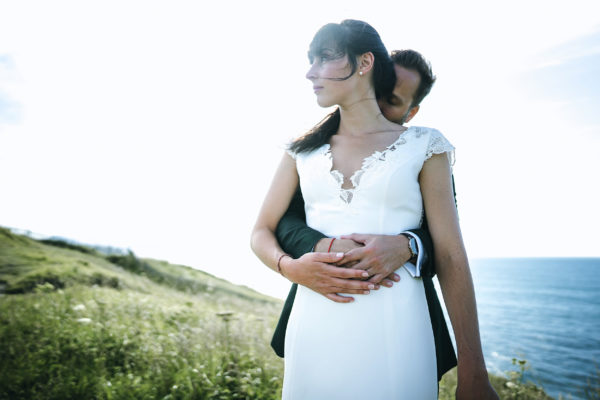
{"x":75,"y":324}
{"x":86,"y":343}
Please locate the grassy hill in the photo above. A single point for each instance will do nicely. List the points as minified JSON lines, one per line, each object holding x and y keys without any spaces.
{"x":75,"y":324}
{"x":79,"y":324}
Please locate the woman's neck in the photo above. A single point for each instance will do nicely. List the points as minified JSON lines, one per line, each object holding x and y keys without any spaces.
{"x":363,"y":117}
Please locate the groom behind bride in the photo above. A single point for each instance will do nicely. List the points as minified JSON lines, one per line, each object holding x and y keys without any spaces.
{"x":380,"y":255}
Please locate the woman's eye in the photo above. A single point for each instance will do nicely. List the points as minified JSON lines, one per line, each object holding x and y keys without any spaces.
{"x":318,"y":60}
{"x":322,"y":58}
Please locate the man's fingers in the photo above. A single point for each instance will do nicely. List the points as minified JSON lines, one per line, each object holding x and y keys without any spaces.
{"x":389,"y":280}
{"x":347,"y":265}
{"x":354,"y":255}
{"x":377,"y":278}
{"x":394,"y":276}
{"x":357,"y":237}
{"x":363,"y":265}
{"x":339,"y":299}
{"x":387,"y":283}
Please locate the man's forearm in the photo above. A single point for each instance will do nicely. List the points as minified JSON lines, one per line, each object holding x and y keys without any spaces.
{"x":293,"y":235}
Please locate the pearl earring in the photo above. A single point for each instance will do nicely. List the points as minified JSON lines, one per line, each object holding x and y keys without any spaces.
{"x":360,"y":73}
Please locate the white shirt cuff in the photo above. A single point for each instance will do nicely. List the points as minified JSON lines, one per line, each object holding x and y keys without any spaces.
{"x":415,"y":270}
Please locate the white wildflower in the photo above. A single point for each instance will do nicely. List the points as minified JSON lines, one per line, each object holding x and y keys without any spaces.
{"x":79,"y":307}
{"x":84,"y":320}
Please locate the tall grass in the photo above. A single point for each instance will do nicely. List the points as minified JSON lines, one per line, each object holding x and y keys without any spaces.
{"x":101,"y":343}
{"x":76,"y":325}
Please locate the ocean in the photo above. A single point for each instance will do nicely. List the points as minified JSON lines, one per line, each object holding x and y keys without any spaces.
{"x":543,"y":310}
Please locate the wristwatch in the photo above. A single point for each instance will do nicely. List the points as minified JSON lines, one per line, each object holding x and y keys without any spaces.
{"x":412,"y":247}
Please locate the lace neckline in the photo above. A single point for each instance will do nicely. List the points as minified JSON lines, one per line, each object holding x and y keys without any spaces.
{"x":346,"y":194}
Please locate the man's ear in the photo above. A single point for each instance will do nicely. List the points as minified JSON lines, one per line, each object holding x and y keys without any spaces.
{"x":411,"y":113}
{"x":365,"y":62}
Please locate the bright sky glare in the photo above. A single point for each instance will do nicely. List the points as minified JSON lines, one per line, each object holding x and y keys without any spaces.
{"x":157,"y":126}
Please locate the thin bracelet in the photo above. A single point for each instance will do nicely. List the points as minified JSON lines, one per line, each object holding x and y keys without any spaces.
{"x":330,"y":244}
{"x":279,"y":263}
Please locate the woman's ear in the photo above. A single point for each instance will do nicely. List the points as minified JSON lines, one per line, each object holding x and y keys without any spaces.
{"x":365,"y":62}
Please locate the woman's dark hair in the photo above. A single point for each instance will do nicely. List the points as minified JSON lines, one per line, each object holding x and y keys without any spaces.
{"x":351,"y":38}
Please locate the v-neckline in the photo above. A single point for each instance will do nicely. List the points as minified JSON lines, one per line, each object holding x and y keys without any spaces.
{"x":366,"y":162}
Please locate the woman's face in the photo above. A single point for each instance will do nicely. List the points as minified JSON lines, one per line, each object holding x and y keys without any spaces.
{"x":325,"y":70}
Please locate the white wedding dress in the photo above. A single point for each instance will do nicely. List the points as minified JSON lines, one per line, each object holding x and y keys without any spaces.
{"x":380,"y":346}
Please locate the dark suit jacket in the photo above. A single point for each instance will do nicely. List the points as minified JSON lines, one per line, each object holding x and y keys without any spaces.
{"x":296,"y":238}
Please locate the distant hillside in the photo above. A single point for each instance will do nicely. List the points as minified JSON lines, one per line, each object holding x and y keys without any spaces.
{"x":45,"y":238}
{"x":26,"y":263}
{"x":78,"y":324}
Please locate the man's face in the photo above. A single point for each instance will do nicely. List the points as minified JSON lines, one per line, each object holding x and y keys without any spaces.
{"x":397,"y":107}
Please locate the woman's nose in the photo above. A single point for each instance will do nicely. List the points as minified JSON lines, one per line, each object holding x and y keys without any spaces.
{"x":311,"y":74}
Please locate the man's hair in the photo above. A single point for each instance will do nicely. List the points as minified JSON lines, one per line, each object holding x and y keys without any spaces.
{"x":411,"y":59}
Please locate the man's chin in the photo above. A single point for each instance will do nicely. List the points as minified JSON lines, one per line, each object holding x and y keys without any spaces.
{"x":396,"y":120}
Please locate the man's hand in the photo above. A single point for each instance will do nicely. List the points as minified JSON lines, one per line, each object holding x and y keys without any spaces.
{"x":345,"y":246}
{"x":314,"y":270}
{"x":380,"y":255}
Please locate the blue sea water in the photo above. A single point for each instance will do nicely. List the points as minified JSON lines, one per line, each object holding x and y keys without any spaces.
{"x":544,"y":310}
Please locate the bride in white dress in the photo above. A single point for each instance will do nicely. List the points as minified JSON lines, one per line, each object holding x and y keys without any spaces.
{"x":359,"y":173}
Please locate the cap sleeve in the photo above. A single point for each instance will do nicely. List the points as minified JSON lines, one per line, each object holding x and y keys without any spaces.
{"x":438,"y":144}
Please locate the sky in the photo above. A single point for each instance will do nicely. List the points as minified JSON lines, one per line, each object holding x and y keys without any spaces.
{"x":157,"y":125}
